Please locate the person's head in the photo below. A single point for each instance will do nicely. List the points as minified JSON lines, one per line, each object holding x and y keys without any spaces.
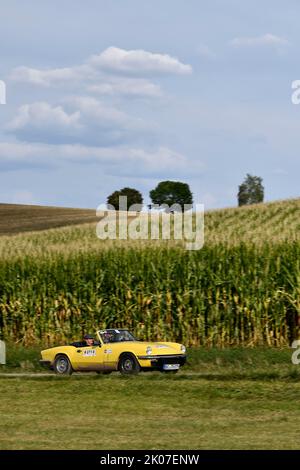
{"x":89,"y":340}
{"x":108,"y":337}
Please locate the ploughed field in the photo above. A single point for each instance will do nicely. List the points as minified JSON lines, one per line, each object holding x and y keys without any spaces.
{"x":18,"y":218}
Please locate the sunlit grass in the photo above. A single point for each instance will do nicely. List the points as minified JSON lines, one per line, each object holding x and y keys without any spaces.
{"x":148,"y":412}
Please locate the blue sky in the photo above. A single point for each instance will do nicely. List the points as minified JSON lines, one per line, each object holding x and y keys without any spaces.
{"x":107,"y":94}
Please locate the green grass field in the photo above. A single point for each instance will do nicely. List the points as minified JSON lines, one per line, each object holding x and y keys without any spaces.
{"x":224,"y":399}
{"x":237,"y":298}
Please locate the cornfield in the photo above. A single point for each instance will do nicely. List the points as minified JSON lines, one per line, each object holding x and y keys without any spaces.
{"x":56,"y":285}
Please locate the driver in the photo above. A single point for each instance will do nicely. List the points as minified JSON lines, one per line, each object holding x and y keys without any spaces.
{"x":88,"y":340}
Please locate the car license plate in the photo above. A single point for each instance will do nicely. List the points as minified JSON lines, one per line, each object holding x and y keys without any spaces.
{"x":171,"y":366}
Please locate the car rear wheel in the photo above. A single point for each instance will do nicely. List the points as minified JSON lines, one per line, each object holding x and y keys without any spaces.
{"x":128,"y":365}
{"x":62,"y":365}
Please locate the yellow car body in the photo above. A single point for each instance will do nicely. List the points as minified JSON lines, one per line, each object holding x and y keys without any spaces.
{"x":115,"y":350}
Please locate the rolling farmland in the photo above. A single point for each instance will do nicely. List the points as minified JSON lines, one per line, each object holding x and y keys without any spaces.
{"x":242,"y":288}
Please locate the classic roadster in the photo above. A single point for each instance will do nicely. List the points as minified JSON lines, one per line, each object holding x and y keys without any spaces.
{"x":115,"y":350}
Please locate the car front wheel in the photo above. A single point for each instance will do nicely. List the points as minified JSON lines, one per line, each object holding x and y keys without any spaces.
{"x":62,"y":365}
{"x":128,"y":365}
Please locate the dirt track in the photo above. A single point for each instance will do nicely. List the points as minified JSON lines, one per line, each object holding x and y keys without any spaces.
{"x":76,"y":374}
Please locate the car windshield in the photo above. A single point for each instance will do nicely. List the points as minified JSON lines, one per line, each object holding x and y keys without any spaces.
{"x":116,"y":336}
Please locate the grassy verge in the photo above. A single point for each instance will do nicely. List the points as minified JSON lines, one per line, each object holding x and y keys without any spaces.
{"x":253,"y":363}
{"x":21,"y":359}
{"x":148,"y":412}
{"x":223,"y":399}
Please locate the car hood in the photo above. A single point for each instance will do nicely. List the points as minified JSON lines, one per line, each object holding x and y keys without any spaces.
{"x":159,"y":348}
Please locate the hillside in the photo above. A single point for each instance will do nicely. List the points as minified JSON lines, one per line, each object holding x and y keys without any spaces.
{"x":17,"y":218}
{"x":270,"y":222}
{"x":242,"y":288}
{"x":64,"y":229}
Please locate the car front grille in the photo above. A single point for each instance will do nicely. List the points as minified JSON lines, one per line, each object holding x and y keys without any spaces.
{"x":160,"y":360}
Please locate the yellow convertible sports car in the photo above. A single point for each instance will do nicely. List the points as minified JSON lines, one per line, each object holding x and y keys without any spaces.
{"x":115,"y":349}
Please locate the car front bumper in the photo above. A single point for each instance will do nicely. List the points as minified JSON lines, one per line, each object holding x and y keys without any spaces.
{"x":158,"y":361}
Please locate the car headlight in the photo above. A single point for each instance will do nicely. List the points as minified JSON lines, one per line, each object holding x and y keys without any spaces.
{"x":183,"y":348}
{"x":148,"y":350}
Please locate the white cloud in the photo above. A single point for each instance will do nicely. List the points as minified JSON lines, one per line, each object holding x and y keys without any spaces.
{"x":94,"y":109}
{"x":132,"y":87}
{"x":48,"y":77}
{"x":119,"y":160}
{"x":265,"y":40}
{"x":97,"y":73}
{"x":83,"y":129}
{"x":138,"y":62}
{"x":40,"y":115}
{"x":81,"y":120}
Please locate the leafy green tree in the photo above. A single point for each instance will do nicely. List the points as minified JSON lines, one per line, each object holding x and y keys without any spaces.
{"x":172,"y":192}
{"x":251,"y":191}
{"x":133,"y":197}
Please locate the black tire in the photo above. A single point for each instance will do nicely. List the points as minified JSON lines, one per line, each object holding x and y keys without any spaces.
{"x":128,"y":365}
{"x":62,"y":365}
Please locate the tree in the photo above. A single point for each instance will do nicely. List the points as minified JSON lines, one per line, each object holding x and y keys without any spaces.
{"x":172,"y":192}
{"x":133,"y":197}
{"x":251,"y":191}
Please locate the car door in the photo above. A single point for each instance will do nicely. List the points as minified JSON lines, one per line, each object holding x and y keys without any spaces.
{"x":90,"y":358}
{"x":112,"y":352}
{"x":108,"y":358}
